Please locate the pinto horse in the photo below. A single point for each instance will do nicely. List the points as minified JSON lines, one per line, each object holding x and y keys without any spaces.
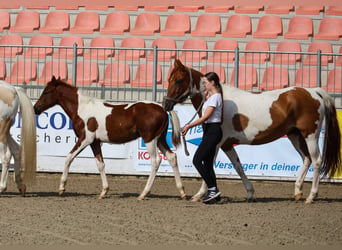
{"x":25,"y":156}
{"x":95,"y":121}
{"x":261,"y":118}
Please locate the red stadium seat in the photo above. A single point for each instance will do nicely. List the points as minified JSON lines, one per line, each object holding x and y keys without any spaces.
{"x":306,"y":77}
{"x":26,"y":21}
{"x":299,"y":27}
{"x":39,"y":40}
{"x":269,"y":27}
{"x":56,"y":22}
{"x":325,"y":47}
{"x":157,"y":8}
{"x":218,"y":9}
{"x":275,"y":78}
{"x":86,"y":23}
{"x":279,"y":9}
{"x":330,"y":28}
{"x":218,"y":69}
{"x":87,"y":73}
{"x":194,"y":44}
{"x":207,"y":25}
{"x":238,"y":26}
{"x":100,"y":41}
{"x":126,"y":7}
{"x":177,"y":24}
{"x":334,"y":81}
{"x":250,"y":9}
{"x":144,"y":75}
{"x":57,"y":68}
{"x":146,"y":24}
{"x":188,"y":8}
{"x":255,"y":58}
{"x":334,"y":10}
{"x":2,"y":70}
{"x":96,"y":7}
{"x":69,"y":41}
{"x":116,"y":23}
{"x":23,"y":71}
{"x":11,"y":40}
{"x":164,"y":43}
{"x":338,"y":61}
{"x":223,"y":57}
{"x":116,"y":74}
{"x":136,"y":43}
{"x":287,"y":46}
{"x":248,"y":77}
{"x":5,"y":21}
{"x":309,"y":10}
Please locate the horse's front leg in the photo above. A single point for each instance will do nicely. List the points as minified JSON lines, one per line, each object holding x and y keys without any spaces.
{"x":155,"y":161}
{"x":80,"y":145}
{"x":96,"y":148}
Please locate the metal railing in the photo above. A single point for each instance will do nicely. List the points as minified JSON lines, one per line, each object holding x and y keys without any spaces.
{"x":153,"y":86}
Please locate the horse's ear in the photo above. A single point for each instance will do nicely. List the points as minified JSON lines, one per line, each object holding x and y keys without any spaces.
{"x":53,"y":79}
{"x":178,"y":63}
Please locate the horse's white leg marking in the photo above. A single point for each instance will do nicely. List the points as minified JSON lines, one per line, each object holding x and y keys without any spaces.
{"x":70,"y":157}
{"x":14,"y":148}
{"x":234,"y":158}
{"x":201,"y":192}
{"x":172,"y":158}
{"x":312,"y":143}
{"x":96,"y":147}
{"x":155,"y":161}
{"x":5,"y":159}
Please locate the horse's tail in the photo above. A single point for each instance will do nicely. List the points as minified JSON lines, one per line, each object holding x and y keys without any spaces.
{"x":332,"y":140}
{"x":175,"y":128}
{"x":28,"y":147}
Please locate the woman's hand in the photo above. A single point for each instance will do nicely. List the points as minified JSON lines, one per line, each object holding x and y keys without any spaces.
{"x":185,"y":130}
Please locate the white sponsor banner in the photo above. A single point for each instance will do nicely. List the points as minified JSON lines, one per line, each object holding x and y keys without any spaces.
{"x":56,"y":138}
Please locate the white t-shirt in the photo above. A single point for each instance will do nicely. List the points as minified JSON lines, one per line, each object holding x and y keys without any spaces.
{"x":215,"y":101}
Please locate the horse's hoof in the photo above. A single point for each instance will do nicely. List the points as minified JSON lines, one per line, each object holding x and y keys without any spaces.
{"x":100,"y":197}
{"x":3,"y":190}
{"x":298,"y":196}
{"x":308,"y":201}
{"x":195,"y":199}
{"x":140,"y":198}
{"x":183,"y":197}
{"x":61,"y":192}
{"x":23,"y":190}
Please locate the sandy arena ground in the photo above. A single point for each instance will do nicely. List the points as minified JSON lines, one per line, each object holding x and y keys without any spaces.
{"x":79,"y":218}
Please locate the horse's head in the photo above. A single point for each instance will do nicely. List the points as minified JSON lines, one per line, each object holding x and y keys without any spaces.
{"x":183,"y":82}
{"x":49,"y":96}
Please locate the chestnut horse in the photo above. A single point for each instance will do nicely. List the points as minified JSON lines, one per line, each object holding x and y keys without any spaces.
{"x":95,"y":121}
{"x":261,"y":118}
{"x":25,"y":155}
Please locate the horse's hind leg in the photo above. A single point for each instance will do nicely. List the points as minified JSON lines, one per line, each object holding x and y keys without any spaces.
{"x":14,"y":148}
{"x":300,"y":145}
{"x":316,"y":163}
{"x":155,"y":161}
{"x":5,"y":159}
{"x":172,"y":158}
{"x":96,"y":148}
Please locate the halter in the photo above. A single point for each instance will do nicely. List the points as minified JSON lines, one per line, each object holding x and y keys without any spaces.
{"x":191,"y":91}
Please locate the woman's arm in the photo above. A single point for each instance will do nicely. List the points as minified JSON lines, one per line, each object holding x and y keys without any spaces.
{"x":208,"y":112}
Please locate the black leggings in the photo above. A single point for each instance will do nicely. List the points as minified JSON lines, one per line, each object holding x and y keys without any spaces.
{"x":205,"y":153}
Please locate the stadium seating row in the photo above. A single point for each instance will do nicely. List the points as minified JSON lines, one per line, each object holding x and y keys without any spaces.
{"x":177,"y":24}
{"x":165,"y":43}
{"x":118,"y":73}
{"x":273,"y":9}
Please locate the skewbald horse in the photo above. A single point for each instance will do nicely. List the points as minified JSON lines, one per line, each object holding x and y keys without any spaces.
{"x":25,"y":155}
{"x":261,"y":118}
{"x":95,"y":121}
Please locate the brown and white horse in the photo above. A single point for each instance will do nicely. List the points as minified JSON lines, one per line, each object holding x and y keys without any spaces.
{"x":95,"y":121}
{"x":261,"y":118}
{"x":24,"y":155}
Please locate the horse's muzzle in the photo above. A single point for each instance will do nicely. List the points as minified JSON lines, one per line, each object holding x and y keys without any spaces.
{"x":37,"y":110}
{"x":168,"y":104}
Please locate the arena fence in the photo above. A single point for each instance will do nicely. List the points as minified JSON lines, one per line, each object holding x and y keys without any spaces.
{"x":132,"y":74}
